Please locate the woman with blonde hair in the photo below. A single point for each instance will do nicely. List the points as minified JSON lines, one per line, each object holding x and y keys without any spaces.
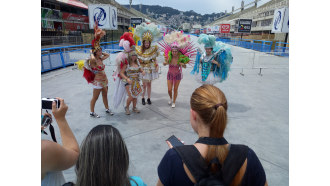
{"x":131,"y":74}
{"x":211,"y":154}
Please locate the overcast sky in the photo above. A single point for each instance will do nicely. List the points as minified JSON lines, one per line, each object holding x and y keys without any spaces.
{"x":199,"y":6}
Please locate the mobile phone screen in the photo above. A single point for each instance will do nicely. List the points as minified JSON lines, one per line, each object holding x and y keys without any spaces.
{"x":174,"y":141}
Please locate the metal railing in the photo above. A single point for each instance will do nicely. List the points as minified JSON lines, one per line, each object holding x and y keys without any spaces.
{"x":60,"y":57}
{"x":281,"y":50}
{"x":258,"y":45}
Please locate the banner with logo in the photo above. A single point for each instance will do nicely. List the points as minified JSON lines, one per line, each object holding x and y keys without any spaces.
{"x":101,"y":14}
{"x":281,"y":21}
{"x":135,"y":21}
{"x":225,"y":28}
{"x":285,"y":26}
{"x":215,"y":29}
{"x":244,"y":26}
{"x":209,"y":30}
{"x":113,"y":18}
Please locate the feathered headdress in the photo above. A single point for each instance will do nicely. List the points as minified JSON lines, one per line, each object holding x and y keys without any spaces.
{"x":207,"y":40}
{"x":177,"y":40}
{"x":98,"y":34}
{"x":146,"y":32}
{"x":127,"y":41}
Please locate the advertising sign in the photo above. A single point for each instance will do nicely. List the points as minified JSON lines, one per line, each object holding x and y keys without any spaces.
{"x":209,"y":30}
{"x":225,"y":28}
{"x":244,"y":26}
{"x":135,"y":21}
{"x":74,"y":22}
{"x":113,"y":18}
{"x":75,"y":17}
{"x":101,"y":14}
{"x":281,"y":21}
{"x":278,"y":20}
{"x":215,"y":29}
{"x":285,"y":26}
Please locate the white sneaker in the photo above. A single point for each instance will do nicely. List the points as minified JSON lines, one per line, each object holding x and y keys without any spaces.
{"x":173,"y":105}
{"x":94,"y":115}
{"x":108,"y":111}
{"x":169,"y":102}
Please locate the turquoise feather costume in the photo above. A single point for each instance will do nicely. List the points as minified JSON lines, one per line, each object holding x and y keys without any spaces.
{"x":210,"y":72}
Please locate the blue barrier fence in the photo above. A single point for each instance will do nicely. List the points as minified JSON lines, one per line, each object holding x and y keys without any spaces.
{"x":259,"y":45}
{"x":281,"y":49}
{"x":59,"y":57}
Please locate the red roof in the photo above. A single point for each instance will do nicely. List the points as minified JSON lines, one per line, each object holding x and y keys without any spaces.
{"x":74,"y":3}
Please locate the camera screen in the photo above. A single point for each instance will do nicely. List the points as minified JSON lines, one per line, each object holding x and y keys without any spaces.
{"x":47,"y":103}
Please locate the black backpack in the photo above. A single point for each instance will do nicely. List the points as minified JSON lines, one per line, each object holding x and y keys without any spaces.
{"x":201,"y":171}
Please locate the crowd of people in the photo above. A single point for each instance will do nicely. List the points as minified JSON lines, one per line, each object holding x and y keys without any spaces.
{"x":103,"y":158}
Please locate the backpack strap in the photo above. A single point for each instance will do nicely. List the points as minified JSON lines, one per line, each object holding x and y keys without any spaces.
{"x":193,"y":160}
{"x":233,"y":162}
{"x":199,"y":168}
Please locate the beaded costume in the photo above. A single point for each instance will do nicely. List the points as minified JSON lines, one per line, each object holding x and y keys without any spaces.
{"x":94,"y":75}
{"x":147,"y":58}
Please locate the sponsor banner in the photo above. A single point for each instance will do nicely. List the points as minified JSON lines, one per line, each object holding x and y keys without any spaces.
{"x":209,"y":30}
{"x":225,"y":28}
{"x":101,"y":14}
{"x":278,"y":20}
{"x":50,"y":14}
{"x":285,"y":26}
{"x":281,"y":21}
{"x":135,"y":21}
{"x":113,"y":18}
{"x":244,"y":26}
{"x":75,"y":17}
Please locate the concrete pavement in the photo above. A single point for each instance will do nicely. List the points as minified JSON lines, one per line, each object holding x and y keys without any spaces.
{"x":258,"y":110}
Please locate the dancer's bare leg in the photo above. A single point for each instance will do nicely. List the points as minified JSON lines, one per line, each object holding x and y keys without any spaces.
{"x":169,"y":88}
{"x":176,"y":87}
{"x":105,"y":97}
{"x":130,"y":98}
{"x":149,"y":89}
{"x":144,"y":88}
{"x":96,"y":93}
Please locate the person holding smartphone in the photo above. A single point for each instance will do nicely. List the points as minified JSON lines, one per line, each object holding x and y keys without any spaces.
{"x":208,"y":118}
{"x":56,"y":157}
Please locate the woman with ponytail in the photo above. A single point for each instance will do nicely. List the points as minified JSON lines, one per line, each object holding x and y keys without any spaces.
{"x":208,"y":118}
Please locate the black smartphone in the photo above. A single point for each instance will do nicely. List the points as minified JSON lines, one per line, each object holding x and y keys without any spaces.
{"x":46,"y":103}
{"x":174,"y":141}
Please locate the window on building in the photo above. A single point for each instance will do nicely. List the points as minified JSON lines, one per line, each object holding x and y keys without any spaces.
{"x":266,"y":22}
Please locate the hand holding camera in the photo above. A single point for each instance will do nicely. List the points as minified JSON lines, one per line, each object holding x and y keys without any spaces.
{"x":59,"y":113}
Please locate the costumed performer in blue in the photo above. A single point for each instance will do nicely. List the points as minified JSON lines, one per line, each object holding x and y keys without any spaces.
{"x":213,"y":65}
{"x":147,"y":56}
